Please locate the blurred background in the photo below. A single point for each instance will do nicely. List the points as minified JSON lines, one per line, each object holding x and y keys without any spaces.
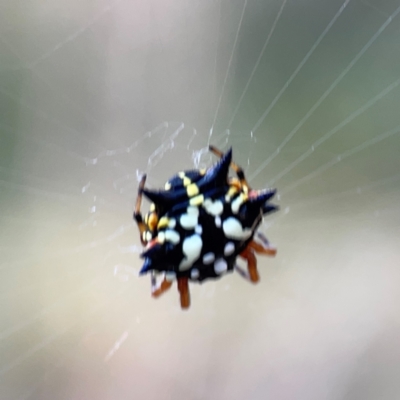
{"x":94,"y":93}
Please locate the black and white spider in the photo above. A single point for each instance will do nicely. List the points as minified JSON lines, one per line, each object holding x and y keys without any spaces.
{"x":199,"y":224}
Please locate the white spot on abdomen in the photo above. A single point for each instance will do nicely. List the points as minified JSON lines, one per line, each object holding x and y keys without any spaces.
{"x":213,"y":207}
{"x":188,"y":221}
{"x":161,"y":237}
{"x":193,"y":210}
{"x":172,"y":236}
{"x":170,"y":276}
{"x":233,"y":229}
{"x":220,"y":266}
{"x":235,"y":205}
{"x":191,"y":248}
{"x":194,"y":273}
{"x":198,"y":229}
{"x":208,"y":258}
{"x":217,"y":221}
{"x":229,"y":248}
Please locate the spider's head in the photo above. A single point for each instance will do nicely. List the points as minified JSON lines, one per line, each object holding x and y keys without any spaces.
{"x":185,"y":185}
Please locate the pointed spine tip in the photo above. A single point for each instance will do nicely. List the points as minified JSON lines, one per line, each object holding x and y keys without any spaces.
{"x":146,"y":267}
{"x":269,"y":208}
{"x":163,"y":198}
{"x":262,"y":196}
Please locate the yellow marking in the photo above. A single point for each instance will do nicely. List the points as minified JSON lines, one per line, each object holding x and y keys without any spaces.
{"x":144,"y":236}
{"x":235,"y":182}
{"x":167,"y":186}
{"x":192,"y":190}
{"x":202,"y":171}
{"x":196,"y":201}
{"x":153,"y":220}
{"x":232,"y":190}
{"x":186,"y":181}
{"x":146,"y":218}
{"x":163,"y":222}
{"x":181,"y":174}
{"x":152,"y":207}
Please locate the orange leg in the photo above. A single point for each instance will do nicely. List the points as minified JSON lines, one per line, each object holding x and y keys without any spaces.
{"x":262,"y":248}
{"x":137,"y":215}
{"x":158,"y":290}
{"x":249,"y":256}
{"x":183,"y":287}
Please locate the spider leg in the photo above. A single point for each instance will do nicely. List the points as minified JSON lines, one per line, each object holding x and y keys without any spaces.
{"x":263,"y":238}
{"x":183,"y":288}
{"x":262,"y":248}
{"x":249,"y":256}
{"x":158,"y":289}
{"x":137,"y":215}
{"x":239,"y":171}
{"x":242,"y":272}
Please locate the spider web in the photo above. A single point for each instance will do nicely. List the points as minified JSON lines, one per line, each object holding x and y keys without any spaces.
{"x":306,"y":94}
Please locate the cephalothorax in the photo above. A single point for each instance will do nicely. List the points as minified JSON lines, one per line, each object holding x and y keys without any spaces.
{"x":199,"y":224}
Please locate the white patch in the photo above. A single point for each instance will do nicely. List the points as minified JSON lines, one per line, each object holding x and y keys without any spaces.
{"x":148,"y":236}
{"x":188,"y":221}
{"x":193,"y":210}
{"x":172,"y":223}
{"x":198,"y":229}
{"x":161,"y":237}
{"x":233,"y":229}
{"x":170,"y":276}
{"x":194,"y":273}
{"x":191,"y":248}
{"x":208,"y":258}
{"x":220,"y":266}
{"x":172,"y":236}
{"x":235,"y":205}
{"x":229,"y":248}
{"x":213,"y":207}
{"x":217,"y":221}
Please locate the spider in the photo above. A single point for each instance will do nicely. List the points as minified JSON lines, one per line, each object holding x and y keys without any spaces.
{"x":199,"y":224}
